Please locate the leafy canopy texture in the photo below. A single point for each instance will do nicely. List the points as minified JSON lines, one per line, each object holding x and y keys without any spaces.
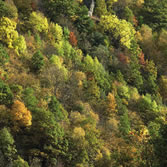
{"x":154,"y":13}
{"x":7,"y":143}
{"x":21,"y":115}
{"x":6,"y":96}
{"x":121,"y":29}
{"x":8,"y":33}
{"x":4,"y":57}
{"x":38,"y":23}
{"x":37,"y":61}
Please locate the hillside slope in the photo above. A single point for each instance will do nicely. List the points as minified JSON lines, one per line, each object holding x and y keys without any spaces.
{"x":81,"y":89}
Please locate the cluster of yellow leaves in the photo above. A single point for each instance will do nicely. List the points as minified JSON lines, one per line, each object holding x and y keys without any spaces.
{"x":58,"y":62}
{"x":78,"y":133}
{"x":77,"y":118}
{"x":139,"y":3}
{"x":119,"y":28}
{"x":111,"y":104}
{"x":38,"y":23}
{"x":20,"y":45}
{"x":56,"y":32}
{"x":8,"y":34}
{"x":21,"y":114}
{"x":146,"y":33}
{"x":80,"y":77}
{"x":79,"y":1}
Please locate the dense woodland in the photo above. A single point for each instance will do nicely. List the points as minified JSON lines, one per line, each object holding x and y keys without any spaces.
{"x":83,"y":83}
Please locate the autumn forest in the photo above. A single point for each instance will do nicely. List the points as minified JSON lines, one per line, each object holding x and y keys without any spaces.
{"x":83,"y":83}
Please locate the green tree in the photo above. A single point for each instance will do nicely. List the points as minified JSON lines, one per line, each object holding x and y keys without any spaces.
{"x":6,"y":96}
{"x":160,"y":145}
{"x":24,"y":8}
{"x":57,"y":109}
{"x":55,"y":8}
{"x":120,"y":29}
{"x":29,"y":98}
{"x":163,"y":87}
{"x":83,"y":22}
{"x":150,"y":76}
{"x":124,"y":124}
{"x":37,"y":61}
{"x":154,"y":14}
{"x":148,"y":108}
{"x":128,"y":15}
{"x":7,"y":144}
{"x":101,"y":76}
{"x":133,"y":74}
{"x":101,"y":8}
{"x":47,"y":129}
{"x":8,"y":10}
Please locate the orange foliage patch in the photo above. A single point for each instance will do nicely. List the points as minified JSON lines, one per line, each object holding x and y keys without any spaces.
{"x":73,"y":39}
{"x":123,"y":59}
{"x":141,"y":58}
{"x":20,"y":114}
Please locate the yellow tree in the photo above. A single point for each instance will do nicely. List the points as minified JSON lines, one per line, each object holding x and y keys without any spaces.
{"x":38,"y":23}
{"x":111,"y":105}
{"x":20,"y":114}
{"x":55,"y":32}
{"x":120,"y":29}
{"x":8,"y":34}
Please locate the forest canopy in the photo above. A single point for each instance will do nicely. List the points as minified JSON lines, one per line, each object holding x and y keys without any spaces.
{"x":83,"y":83}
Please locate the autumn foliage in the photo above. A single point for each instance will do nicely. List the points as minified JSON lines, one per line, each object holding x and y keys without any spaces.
{"x":73,"y":39}
{"x":123,"y":59}
{"x":20,"y":114}
{"x":141,"y":58}
{"x":83,"y":83}
{"x":111,"y":105}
